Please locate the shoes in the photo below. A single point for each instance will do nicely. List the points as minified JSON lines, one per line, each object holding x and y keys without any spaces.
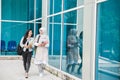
{"x":26,"y":75}
{"x":41,"y":74}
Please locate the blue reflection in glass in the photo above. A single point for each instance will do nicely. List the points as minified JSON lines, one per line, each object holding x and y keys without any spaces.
{"x":108,"y":40}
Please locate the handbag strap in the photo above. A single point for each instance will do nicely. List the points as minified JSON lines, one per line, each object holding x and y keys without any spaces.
{"x":38,"y":38}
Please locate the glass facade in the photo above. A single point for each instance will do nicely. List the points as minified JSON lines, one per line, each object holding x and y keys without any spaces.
{"x":13,"y":31}
{"x":30,"y":9}
{"x":18,"y":10}
{"x":75,"y":3}
{"x":60,"y":23}
{"x":66,"y":25}
{"x":17,"y":17}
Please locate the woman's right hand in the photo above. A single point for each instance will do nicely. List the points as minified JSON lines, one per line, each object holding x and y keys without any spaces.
{"x":41,"y":45}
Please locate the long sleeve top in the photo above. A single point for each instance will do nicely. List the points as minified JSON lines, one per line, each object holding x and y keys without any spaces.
{"x":43,"y":38}
{"x":28,"y":42}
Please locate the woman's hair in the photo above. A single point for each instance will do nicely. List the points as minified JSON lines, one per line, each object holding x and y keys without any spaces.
{"x":25,"y":36}
{"x":81,"y":35}
{"x":73,"y":32}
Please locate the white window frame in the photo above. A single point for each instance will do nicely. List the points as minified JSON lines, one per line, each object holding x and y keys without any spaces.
{"x":89,"y":39}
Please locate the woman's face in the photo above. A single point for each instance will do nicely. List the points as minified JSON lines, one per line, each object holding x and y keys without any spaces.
{"x":30,"y":33}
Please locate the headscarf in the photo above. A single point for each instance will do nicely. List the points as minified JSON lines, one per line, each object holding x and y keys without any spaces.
{"x":73,"y":32}
{"x":43,"y":29}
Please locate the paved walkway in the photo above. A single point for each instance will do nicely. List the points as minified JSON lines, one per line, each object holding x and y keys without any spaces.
{"x":13,"y":70}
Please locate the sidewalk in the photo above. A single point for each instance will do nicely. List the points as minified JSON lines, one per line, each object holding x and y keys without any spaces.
{"x":13,"y":70}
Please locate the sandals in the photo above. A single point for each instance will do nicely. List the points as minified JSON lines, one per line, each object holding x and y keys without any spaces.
{"x":26,"y":75}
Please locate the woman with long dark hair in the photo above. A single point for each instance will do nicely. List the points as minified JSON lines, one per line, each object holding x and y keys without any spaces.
{"x":26,"y":44}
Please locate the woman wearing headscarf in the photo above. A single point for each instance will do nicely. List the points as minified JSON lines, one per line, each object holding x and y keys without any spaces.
{"x":73,"y":56}
{"x":41,"y":52}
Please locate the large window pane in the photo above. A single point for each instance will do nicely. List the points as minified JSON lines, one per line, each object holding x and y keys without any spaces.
{"x":38,"y":25}
{"x":51,"y":7}
{"x":70,"y":17}
{"x":31,"y":10}
{"x":57,"y":19}
{"x":108,"y":40}
{"x":68,"y":4}
{"x":70,"y":60}
{"x":50,"y":20}
{"x":57,"y":6}
{"x":38,"y":8}
{"x":50,"y":38}
{"x":65,"y":49}
{"x":13,"y":32}
{"x":55,"y":33}
{"x":56,"y":39}
{"x":15,"y":10}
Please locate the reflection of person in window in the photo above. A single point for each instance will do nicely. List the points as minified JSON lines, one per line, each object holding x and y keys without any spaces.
{"x":80,"y":50}
{"x":42,"y":44}
{"x":73,"y":57}
{"x":26,"y":44}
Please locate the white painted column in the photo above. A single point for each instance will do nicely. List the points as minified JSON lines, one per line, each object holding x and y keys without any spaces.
{"x":89,"y":32}
{"x":61,"y":41}
{"x":44,"y":13}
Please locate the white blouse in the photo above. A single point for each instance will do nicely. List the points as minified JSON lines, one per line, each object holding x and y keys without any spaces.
{"x":29,"y":41}
{"x":43,"y":38}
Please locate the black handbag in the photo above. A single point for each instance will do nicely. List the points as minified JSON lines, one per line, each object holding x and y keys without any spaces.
{"x":19,"y":50}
